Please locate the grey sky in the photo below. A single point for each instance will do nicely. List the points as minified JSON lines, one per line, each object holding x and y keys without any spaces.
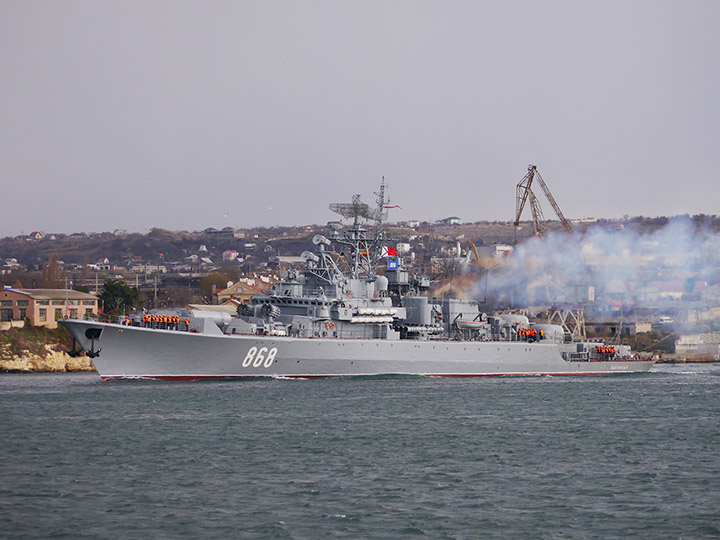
{"x":186,"y":115}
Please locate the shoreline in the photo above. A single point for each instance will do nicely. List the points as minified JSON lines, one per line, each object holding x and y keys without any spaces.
{"x":52,"y":362}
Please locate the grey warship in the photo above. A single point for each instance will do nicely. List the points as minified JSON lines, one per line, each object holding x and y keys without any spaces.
{"x":339,"y":317}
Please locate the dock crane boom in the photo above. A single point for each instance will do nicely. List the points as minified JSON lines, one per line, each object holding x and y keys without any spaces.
{"x":523,"y":193}
{"x":571,"y":319}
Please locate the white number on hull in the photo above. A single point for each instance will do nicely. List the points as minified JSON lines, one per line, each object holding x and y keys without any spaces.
{"x":249,"y":357}
{"x":258,"y":358}
{"x":270,"y":357}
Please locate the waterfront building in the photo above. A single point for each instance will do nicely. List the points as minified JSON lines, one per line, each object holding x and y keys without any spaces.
{"x":43,"y":307}
{"x":699,"y":346}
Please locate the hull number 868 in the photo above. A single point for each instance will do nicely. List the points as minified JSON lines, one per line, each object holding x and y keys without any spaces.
{"x":257,"y":358}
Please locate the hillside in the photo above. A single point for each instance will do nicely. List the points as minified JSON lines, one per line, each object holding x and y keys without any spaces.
{"x":160,"y":246}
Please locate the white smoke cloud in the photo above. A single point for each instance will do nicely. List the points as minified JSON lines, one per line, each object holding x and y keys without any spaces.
{"x":622,"y":265}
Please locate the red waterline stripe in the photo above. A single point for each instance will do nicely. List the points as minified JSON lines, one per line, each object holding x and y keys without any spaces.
{"x":449,"y":375}
{"x":203,"y":377}
{"x":522,"y":374}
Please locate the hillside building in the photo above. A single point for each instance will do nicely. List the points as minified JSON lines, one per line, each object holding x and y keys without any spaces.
{"x":241,"y":291}
{"x":452,"y":220}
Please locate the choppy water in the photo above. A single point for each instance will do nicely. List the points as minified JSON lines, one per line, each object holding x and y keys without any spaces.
{"x":628,"y":456}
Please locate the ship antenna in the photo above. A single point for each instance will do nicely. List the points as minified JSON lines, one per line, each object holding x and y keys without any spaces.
{"x":379,"y":217}
{"x":382,"y":205}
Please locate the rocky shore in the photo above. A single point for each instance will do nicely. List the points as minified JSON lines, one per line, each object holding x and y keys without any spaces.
{"x":50,"y":361}
{"x":34,"y":349}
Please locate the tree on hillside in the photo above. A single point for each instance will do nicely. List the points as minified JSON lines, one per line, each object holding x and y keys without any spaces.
{"x":85,"y":274}
{"x":52,"y":275}
{"x":214,"y":278}
{"x":116,"y":297}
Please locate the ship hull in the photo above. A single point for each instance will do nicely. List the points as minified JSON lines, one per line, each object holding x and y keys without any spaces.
{"x":136,"y":352}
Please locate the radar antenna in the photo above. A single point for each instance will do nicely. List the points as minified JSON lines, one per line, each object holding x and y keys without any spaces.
{"x":354,"y":210}
{"x":364,"y":250}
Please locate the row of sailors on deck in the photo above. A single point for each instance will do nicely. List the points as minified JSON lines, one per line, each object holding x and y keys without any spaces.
{"x":165,"y":321}
{"x":605,"y":350}
{"x":530,"y":334}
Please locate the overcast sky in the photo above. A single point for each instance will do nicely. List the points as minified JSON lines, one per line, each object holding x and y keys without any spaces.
{"x":186,"y":115}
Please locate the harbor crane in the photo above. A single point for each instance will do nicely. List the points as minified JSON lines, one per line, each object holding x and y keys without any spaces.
{"x":571,"y":318}
{"x":524,"y":193}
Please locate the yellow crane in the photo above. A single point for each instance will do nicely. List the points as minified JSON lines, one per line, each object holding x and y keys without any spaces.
{"x":474,"y":250}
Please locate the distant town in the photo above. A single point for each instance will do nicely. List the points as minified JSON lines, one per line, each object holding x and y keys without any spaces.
{"x":671,"y":309}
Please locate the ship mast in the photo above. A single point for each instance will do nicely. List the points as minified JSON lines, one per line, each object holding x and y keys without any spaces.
{"x":380,"y":215}
{"x":364,"y":251}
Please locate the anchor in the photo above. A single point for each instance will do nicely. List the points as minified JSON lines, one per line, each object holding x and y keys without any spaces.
{"x":92,"y":334}
{"x":73,"y":352}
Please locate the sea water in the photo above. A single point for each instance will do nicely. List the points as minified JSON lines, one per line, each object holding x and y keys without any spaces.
{"x":624,"y":456}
